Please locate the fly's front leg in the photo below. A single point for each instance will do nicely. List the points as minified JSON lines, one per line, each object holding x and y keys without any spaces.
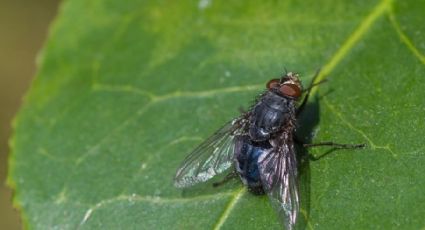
{"x":308,"y":90}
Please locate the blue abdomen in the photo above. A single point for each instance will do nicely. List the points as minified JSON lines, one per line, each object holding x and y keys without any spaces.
{"x":247,"y":154}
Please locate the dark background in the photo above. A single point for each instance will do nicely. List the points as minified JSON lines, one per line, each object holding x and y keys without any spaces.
{"x":23,"y":30}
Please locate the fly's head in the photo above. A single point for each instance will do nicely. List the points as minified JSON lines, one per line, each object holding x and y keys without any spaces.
{"x":288,"y":85}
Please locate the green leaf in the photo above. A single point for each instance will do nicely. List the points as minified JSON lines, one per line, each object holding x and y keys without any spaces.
{"x":126,"y":89}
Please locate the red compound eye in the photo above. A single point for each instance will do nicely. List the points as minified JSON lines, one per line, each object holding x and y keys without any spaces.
{"x":273,"y":83}
{"x":290,"y":90}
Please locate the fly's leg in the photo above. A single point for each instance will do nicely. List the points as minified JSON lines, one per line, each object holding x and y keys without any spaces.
{"x":329,"y":143}
{"x":226,"y":179}
{"x":335,"y":145}
{"x":308,"y":90}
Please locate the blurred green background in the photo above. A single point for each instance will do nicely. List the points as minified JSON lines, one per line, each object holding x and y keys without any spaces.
{"x":23,"y":29}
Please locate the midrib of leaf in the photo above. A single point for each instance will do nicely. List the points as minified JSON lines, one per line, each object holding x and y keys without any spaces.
{"x":233,"y":201}
{"x":346,"y":47}
{"x":352,"y":40}
{"x":403,"y":37}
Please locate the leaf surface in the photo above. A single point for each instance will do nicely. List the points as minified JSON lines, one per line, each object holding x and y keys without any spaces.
{"x":126,"y":89}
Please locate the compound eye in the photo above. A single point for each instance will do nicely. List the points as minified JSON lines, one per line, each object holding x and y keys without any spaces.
{"x":273,"y":83}
{"x":290,"y":90}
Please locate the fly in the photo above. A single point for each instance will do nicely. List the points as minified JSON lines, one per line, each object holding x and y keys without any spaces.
{"x":260,"y":146}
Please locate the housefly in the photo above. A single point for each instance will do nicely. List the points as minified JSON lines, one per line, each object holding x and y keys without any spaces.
{"x":260,"y":146}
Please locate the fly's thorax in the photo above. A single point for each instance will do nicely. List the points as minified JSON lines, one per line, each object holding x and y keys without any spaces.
{"x":269,"y":115}
{"x":278,"y":102}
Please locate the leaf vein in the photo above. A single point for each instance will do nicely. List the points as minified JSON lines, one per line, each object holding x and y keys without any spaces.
{"x":404,"y":38}
{"x":157,"y":99}
{"x":158,"y":154}
{"x":363,"y":134}
{"x":352,"y":40}
{"x":177,"y":94}
{"x":150,"y":199}
{"x":236,"y":196}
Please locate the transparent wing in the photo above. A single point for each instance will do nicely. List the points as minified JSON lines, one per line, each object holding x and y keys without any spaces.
{"x":278,"y":172}
{"x":212,"y":157}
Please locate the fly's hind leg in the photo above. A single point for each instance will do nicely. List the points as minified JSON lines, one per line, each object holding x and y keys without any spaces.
{"x":335,"y":145}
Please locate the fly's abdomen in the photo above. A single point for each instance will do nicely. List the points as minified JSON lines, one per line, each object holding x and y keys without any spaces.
{"x":247,"y":154}
{"x":268,"y":116}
